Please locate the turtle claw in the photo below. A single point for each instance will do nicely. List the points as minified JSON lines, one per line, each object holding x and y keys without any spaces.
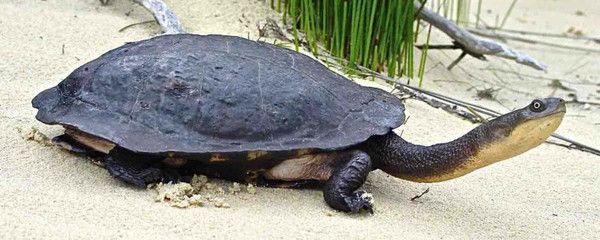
{"x":360,"y":200}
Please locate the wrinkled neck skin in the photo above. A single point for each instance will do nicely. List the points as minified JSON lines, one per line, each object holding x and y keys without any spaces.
{"x":490,"y":142}
{"x":418,"y":163}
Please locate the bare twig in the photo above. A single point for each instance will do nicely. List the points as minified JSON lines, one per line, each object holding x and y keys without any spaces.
{"x":135,"y":24}
{"x":541,"y":34}
{"x":534,"y":77}
{"x":531,"y":41}
{"x":420,"y":195}
{"x":462,"y":55}
{"x":583,"y":102}
{"x":473,"y":44}
{"x":572,"y":146}
{"x":164,"y":16}
{"x":576,"y":145}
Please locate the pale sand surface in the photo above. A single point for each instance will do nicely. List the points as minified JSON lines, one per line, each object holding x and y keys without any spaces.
{"x":47,"y":193}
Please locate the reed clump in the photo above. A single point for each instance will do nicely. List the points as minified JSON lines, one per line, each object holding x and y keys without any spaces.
{"x":377,"y":34}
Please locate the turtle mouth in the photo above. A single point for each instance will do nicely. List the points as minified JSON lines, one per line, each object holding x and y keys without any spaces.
{"x":560,"y":109}
{"x":550,"y":116}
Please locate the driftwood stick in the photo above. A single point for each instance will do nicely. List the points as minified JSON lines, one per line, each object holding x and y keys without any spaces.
{"x":473,"y":44}
{"x":164,"y":16}
{"x":497,"y":35}
{"x":541,"y":34}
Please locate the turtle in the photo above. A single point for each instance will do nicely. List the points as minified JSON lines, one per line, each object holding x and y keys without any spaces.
{"x":169,"y":107}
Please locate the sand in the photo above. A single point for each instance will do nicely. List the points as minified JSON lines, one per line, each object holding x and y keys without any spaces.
{"x":548,"y":192}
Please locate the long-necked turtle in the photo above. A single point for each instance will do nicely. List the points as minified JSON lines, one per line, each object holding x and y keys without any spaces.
{"x":229,"y":107}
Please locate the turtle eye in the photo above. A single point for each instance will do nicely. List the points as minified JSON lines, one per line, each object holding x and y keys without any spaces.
{"x":537,"y":106}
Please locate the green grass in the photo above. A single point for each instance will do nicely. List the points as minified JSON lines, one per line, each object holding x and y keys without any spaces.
{"x":377,"y":34}
{"x":455,"y":10}
{"x":424,"y":58}
{"x":459,"y":10}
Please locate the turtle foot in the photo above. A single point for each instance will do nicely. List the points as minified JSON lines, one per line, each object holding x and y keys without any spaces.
{"x":359,"y":200}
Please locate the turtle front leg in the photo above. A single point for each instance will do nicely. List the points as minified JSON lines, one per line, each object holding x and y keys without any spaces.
{"x":340,"y":190}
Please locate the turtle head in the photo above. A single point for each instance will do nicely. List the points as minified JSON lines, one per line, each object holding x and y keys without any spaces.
{"x":520,"y":130}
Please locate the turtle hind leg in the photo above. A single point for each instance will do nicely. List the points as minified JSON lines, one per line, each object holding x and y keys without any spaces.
{"x":340,"y":190}
{"x":137,"y":169}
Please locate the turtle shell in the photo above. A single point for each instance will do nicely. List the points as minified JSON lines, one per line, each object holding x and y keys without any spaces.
{"x":208,"y":94}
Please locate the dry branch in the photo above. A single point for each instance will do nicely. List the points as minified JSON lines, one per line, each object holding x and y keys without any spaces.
{"x":164,"y":16}
{"x":473,"y":44}
{"x":490,"y":34}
